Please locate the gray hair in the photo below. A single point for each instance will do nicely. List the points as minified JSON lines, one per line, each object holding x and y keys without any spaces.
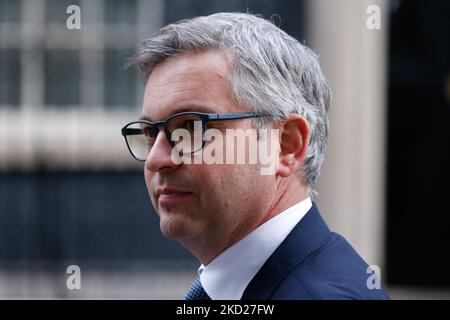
{"x":273,"y":72}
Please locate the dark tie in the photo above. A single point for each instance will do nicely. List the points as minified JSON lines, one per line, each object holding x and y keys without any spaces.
{"x":196,"y":291}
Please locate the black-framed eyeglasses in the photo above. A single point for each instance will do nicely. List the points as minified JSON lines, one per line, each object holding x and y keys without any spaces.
{"x":140,"y":136}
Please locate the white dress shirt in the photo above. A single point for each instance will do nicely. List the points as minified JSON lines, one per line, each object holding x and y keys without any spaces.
{"x":227,"y":276}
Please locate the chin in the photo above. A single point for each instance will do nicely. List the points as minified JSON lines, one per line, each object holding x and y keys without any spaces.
{"x":177,"y":228}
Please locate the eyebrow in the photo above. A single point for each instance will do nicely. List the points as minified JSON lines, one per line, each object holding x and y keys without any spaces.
{"x":188,"y":108}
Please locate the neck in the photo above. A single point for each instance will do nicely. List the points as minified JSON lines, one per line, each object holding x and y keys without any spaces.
{"x":289,"y":194}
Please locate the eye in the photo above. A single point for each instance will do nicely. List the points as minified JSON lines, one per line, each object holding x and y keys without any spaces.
{"x":150,"y":132}
{"x":188,"y":125}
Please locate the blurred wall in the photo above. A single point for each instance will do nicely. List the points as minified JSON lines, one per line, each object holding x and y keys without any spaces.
{"x":352,"y":182}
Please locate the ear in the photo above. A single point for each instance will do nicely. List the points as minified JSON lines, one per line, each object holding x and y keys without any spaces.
{"x":294,"y":138}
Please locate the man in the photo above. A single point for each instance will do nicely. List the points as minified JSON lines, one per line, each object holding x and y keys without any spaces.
{"x":257,"y":235}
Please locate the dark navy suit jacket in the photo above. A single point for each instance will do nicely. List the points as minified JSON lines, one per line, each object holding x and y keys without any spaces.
{"x":313,"y":263}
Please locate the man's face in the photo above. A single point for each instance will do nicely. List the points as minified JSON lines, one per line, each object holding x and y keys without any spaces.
{"x":201,"y":202}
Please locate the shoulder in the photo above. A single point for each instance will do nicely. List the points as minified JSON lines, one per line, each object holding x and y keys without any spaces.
{"x":313,"y":263}
{"x":333,"y":271}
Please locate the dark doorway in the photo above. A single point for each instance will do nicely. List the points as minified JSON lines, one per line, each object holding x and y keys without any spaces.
{"x":418,"y":220}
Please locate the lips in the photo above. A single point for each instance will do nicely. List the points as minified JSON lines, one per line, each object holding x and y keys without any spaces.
{"x":169,"y":194}
{"x":169,"y":191}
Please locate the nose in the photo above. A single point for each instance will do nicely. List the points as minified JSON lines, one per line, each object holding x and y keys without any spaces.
{"x":159,"y":157}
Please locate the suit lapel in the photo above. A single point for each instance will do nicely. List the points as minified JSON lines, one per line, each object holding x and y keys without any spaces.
{"x":306,"y":237}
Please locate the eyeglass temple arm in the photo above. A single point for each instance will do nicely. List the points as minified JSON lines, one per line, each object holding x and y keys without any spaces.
{"x":131,"y":132}
{"x":239,"y":115}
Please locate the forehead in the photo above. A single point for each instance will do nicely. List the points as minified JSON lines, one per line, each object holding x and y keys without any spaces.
{"x":194,"y":79}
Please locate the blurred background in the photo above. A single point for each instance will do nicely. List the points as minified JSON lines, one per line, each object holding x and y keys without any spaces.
{"x":70,"y":193}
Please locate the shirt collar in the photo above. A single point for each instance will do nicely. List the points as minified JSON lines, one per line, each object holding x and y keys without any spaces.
{"x":227,"y":276}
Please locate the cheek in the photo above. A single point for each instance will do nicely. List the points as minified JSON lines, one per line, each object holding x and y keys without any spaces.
{"x":214,"y":182}
{"x":227,"y":186}
{"x":148,"y":179}
{"x":248,"y":185}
